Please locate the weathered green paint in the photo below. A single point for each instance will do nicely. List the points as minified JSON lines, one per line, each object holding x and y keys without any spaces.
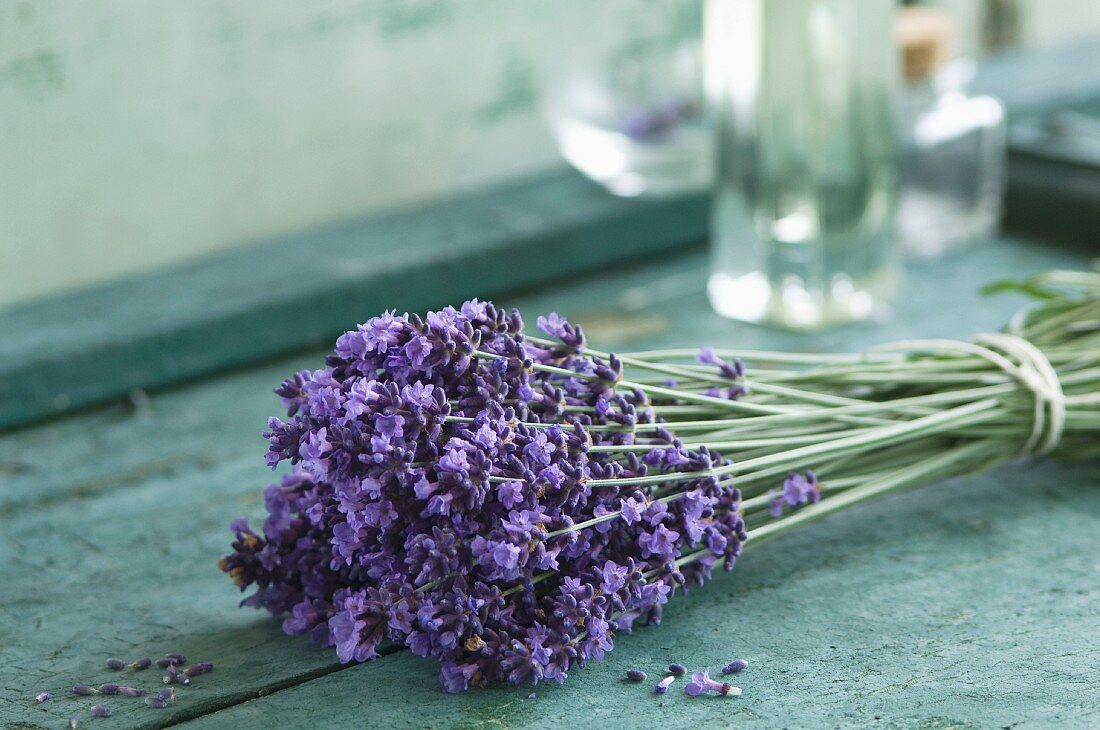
{"x":251,"y":304}
{"x":972,"y":602}
{"x":967,"y":604}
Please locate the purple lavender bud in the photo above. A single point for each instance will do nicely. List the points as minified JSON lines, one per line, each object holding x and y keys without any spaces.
{"x":140,"y":664}
{"x":662,"y":686}
{"x":168,"y":694}
{"x":41,"y":697}
{"x":114,"y":663}
{"x":678,"y":670}
{"x":156,"y":702}
{"x":183,"y":679}
{"x":635,"y":675}
{"x":131,"y":692}
{"x":170,"y":674}
{"x":100,"y":711}
{"x":735,"y":666}
{"x":532,"y":696}
{"x":108,"y":689}
{"x":701,"y":683}
{"x":197,"y":669}
{"x":164,"y":662}
{"x":176,"y":658}
{"x":84,"y":690}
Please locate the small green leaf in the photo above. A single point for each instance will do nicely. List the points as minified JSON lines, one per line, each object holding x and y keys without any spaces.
{"x":1027,"y":287}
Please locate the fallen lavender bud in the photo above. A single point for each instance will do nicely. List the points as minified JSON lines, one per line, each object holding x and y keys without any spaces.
{"x":41,"y":697}
{"x":170,"y":675}
{"x":156,"y":702}
{"x":678,"y":670}
{"x":164,"y":662}
{"x":113,"y":663}
{"x":168,"y":694}
{"x":140,"y":664}
{"x":735,"y":666}
{"x":131,"y":692}
{"x":183,"y":679}
{"x":662,"y":686}
{"x":701,"y":683}
{"x":635,"y":675}
{"x":201,"y":668}
{"x":84,"y":690}
{"x":532,"y":696}
{"x":100,"y":711}
{"x":109,"y":689}
{"x":176,"y":658}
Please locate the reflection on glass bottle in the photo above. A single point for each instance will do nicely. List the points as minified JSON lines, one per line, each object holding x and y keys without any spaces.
{"x":953,"y":167}
{"x":630,"y":117}
{"x":803,"y":94}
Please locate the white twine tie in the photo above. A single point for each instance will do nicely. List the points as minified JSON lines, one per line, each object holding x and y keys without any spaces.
{"x":1032,"y":369}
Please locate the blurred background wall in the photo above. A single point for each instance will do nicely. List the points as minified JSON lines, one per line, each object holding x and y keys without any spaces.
{"x":137,"y":133}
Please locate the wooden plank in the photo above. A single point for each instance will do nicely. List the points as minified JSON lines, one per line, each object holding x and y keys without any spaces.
{"x":126,"y":565}
{"x":261,"y":301}
{"x":967,"y":604}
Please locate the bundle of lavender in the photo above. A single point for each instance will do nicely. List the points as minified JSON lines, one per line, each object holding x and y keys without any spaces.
{"x":505,"y":503}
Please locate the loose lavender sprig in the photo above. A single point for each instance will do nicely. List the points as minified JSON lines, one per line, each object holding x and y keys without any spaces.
{"x":505,"y":503}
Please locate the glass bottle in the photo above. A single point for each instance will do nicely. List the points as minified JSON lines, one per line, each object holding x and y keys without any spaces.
{"x":630,"y":115}
{"x":953,"y":169}
{"x":803,"y":94}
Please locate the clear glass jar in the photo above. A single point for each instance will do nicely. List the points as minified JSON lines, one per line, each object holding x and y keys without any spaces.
{"x":804,"y":96}
{"x":953,"y":172}
{"x":630,"y":116}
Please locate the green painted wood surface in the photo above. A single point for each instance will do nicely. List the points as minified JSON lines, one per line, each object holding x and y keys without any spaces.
{"x":279,"y":297}
{"x":969,"y":603}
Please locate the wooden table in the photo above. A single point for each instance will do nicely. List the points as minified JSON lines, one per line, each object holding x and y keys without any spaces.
{"x":974,"y":602}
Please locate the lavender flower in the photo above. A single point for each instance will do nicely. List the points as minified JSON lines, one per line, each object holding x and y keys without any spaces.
{"x":508,"y":504}
{"x":140,"y":664}
{"x":677,"y":670}
{"x":662,"y":686}
{"x":701,"y":683}
{"x":84,"y":690}
{"x":108,"y":689}
{"x":116,"y":664}
{"x":441,"y":466}
{"x":41,"y":697}
{"x":798,"y":489}
{"x":735,"y":666}
{"x":197,"y":669}
{"x":100,"y":711}
{"x":635,"y":675}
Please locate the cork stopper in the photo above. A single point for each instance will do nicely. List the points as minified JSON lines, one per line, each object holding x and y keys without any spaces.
{"x":924,"y":34}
